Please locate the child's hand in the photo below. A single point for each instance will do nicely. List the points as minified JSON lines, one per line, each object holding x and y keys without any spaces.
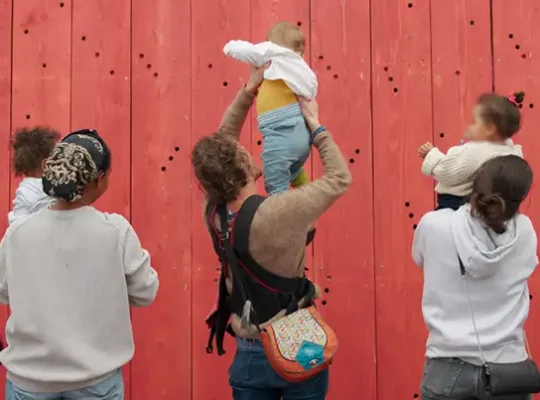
{"x":425,"y":149}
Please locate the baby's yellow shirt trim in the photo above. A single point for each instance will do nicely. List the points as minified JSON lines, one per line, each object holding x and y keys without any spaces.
{"x":274,"y":94}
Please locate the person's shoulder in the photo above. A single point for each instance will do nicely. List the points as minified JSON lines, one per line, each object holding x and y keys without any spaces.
{"x":433,"y":220}
{"x":115,"y":219}
{"x":524,"y":224}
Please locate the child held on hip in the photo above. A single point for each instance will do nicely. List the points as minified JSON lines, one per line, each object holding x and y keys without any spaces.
{"x":286,"y":138}
{"x":496,"y":119}
{"x":30,"y":147}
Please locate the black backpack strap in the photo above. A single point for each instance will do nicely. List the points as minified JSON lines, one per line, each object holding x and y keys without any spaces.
{"x":240,"y":239}
{"x":218,"y":321}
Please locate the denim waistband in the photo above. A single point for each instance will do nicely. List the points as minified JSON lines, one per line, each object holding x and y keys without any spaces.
{"x":279,"y":114}
{"x":249,"y":344}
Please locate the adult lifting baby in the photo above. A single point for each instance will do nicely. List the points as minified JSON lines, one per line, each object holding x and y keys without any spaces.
{"x":266,"y":236}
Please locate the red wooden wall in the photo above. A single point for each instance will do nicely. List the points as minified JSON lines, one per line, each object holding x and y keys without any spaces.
{"x":151,"y":77}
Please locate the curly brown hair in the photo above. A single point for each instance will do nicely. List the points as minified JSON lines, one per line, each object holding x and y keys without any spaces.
{"x":30,"y":147}
{"x":222,"y":166}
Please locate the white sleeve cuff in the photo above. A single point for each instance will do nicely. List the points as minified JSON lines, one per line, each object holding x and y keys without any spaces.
{"x":431,"y":161}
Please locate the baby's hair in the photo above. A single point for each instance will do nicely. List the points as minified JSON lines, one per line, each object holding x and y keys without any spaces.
{"x":287,"y":35}
{"x":502,"y":111}
{"x":30,"y":147}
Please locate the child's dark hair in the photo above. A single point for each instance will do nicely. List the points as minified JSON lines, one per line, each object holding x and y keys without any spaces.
{"x":30,"y":147}
{"x":500,"y":185}
{"x":502,"y":111}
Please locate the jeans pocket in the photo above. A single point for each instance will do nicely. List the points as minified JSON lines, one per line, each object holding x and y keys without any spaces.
{"x":240,"y":369}
{"x":111,"y":388}
{"x":445,"y":377}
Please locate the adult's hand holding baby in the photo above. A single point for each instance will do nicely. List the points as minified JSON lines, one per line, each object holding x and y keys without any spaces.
{"x":256,"y":76}
{"x":310,"y":109}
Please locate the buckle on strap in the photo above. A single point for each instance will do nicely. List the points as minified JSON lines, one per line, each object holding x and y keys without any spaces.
{"x":222,"y":238}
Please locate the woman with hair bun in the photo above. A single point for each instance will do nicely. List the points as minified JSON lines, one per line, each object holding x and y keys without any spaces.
{"x":496,"y":119}
{"x":476,"y":263}
{"x":69,"y":274}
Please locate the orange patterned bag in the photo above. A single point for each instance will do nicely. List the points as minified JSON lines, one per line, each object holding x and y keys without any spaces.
{"x":299,"y":345}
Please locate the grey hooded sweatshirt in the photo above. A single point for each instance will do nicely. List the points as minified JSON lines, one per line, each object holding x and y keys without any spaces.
{"x":498,"y":267}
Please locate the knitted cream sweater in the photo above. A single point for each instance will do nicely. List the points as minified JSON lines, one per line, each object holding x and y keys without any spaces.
{"x":455,"y":170}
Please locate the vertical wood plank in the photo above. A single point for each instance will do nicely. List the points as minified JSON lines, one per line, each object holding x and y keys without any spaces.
{"x":101,"y":87}
{"x":216,"y":80}
{"x":41,"y":73}
{"x":161,"y":197}
{"x":402,"y":120}
{"x":461,"y":53}
{"x":5,"y":129}
{"x":340,"y":34}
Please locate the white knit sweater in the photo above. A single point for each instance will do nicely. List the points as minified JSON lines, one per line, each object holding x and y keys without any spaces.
{"x":455,"y":170}
{"x":69,"y":278}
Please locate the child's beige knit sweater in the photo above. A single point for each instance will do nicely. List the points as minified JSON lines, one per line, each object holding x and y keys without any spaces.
{"x":455,"y":170}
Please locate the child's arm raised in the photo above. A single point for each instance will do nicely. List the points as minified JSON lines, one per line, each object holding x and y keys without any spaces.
{"x":451,"y":168}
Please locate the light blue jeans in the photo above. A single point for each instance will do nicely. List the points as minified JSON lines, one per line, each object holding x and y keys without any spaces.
{"x":286,"y":146}
{"x":111,"y":388}
{"x":252,"y":377}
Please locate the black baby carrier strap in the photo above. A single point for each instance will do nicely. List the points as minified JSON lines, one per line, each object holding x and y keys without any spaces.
{"x":257,"y":294}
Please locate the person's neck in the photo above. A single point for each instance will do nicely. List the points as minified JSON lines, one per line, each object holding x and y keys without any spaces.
{"x":34,"y":174}
{"x":61,"y":205}
{"x":247,"y":191}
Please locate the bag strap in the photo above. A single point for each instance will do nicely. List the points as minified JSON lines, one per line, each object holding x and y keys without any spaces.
{"x":249,"y":314}
{"x":238,"y":280}
{"x":463,"y":272}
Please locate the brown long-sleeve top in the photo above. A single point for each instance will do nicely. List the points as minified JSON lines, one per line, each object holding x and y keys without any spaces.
{"x":277,"y":239}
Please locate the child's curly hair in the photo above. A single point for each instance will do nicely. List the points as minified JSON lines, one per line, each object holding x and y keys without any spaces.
{"x":30,"y":147}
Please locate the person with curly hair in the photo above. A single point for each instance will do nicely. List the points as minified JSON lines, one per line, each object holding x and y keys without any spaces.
{"x":271,"y":249}
{"x":29,"y":147}
{"x":69,"y":274}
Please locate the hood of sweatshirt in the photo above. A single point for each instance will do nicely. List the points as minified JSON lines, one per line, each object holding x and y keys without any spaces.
{"x":481,"y":250}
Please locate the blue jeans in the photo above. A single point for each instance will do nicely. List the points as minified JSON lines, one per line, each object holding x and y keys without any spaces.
{"x":252,"y":378}
{"x":286,"y":146}
{"x":111,"y":388}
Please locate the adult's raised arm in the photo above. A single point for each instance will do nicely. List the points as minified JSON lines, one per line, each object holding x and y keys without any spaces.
{"x":298,"y":209}
{"x":237,"y":112}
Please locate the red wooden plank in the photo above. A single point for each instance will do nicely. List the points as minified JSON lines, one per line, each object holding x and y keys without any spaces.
{"x":344,"y":265}
{"x":5,"y":128}
{"x":161,"y":199}
{"x":516,"y":39}
{"x":41,"y":65}
{"x":402,"y":120}
{"x":101,"y":87}
{"x":214,"y":22}
{"x":462,"y":64}
{"x":100,"y":92}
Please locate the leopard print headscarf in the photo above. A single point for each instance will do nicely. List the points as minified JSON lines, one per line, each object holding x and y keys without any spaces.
{"x":75,"y":162}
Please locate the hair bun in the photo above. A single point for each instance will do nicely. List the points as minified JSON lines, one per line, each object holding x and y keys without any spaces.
{"x":492,"y":208}
{"x":519,"y":96}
